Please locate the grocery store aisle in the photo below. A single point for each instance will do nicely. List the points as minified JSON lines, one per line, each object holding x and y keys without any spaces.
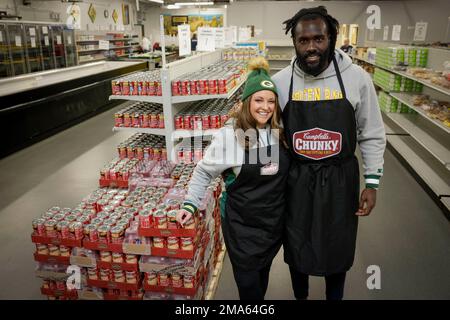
{"x":407,"y":236}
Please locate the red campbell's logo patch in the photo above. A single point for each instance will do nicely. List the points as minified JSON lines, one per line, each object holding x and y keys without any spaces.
{"x":317,"y":143}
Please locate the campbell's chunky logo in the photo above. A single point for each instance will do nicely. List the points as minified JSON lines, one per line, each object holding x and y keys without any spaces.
{"x":317,"y":143}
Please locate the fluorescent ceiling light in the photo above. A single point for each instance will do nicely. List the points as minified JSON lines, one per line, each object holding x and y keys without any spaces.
{"x":173,"y":6}
{"x":157,"y":1}
{"x":209,"y":3}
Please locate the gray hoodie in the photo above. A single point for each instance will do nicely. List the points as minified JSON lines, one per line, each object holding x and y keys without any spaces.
{"x":361,"y":94}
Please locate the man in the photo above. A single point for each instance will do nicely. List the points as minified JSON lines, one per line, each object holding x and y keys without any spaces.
{"x":330,"y":105}
{"x":347,"y":48}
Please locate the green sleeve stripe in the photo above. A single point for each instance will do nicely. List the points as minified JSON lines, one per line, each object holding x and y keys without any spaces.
{"x":372,"y":176}
{"x":372,"y":186}
{"x":189,"y":207}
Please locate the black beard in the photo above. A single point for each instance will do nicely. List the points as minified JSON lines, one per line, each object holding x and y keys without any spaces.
{"x":316,"y":70}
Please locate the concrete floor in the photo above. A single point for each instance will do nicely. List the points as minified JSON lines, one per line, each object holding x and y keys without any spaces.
{"x":406,"y":236}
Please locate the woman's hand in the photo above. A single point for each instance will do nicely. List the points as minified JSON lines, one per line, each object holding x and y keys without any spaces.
{"x":183,"y":216}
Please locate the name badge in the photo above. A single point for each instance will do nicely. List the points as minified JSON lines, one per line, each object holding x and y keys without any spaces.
{"x":269,"y":169}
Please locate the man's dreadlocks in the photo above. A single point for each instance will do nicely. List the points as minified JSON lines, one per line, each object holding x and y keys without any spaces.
{"x":314,"y":13}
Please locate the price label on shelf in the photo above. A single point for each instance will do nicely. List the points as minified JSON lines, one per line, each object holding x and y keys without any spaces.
{"x":184,"y":39}
{"x":44,"y":30}
{"x":18,"y":41}
{"x":103,"y":44}
{"x":46,"y":41}
{"x":32,"y":32}
{"x":33,"y":42}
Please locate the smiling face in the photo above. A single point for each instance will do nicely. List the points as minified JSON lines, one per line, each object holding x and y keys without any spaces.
{"x":312,"y":45}
{"x":262,"y":107}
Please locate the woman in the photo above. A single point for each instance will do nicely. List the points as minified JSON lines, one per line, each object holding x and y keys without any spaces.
{"x":255,"y":168}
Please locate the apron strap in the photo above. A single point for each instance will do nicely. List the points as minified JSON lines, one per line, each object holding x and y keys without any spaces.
{"x":291,"y":83}
{"x":338,"y":74}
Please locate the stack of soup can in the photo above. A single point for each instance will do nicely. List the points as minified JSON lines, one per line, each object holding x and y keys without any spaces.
{"x":206,"y":114}
{"x":143,"y":146}
{"x":140,"y":115}
{"x":218,"y":78}
{"x":138,"y":84}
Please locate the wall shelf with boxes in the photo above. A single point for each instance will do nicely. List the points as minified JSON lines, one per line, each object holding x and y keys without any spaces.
{"x":415,"y":101}
{"x":96,"y":45}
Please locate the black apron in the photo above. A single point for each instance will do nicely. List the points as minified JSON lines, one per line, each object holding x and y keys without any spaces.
{"x":323,"y":184}
{"x":254,"y":215}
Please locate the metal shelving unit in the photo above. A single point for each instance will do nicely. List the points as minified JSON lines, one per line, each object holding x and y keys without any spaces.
{"x":173,"y":104}
{"x":421,"y":142}
{"x":406,"y":98}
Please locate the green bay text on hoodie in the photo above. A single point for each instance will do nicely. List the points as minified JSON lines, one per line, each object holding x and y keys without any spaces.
{"x":361,"y":94}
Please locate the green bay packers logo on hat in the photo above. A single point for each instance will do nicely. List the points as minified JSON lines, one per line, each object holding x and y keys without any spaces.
{"x":267,"y":84}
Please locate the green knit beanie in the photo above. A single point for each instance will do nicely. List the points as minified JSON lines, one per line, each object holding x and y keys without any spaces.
{"x":258,"y":78}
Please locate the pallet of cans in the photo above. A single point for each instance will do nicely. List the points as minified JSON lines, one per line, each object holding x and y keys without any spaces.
{"x":190,"y":151}
{"x":146,"y":83}
{"x":140,"y":115}
{"x":143,"y":146}
{"x":104,"y":236}
{"x":218,"y":78}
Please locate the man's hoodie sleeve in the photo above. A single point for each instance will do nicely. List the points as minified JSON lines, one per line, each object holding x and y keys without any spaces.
{"x":371,"y":132}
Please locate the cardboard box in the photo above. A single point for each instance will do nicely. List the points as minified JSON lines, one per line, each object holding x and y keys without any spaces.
{"x":51,"y":259}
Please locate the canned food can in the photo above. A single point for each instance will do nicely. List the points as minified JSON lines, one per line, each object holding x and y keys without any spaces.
{"x":161,"y":121}
{"x":188,"y":281}
{"x":90,"y":231}
{"x":173,"y":243}
{"x":187,"y":155}
{"x":205,"y":121}
{"x":160,"y":219}
{"x":142,"y":89}
{"x":175,"y":88}
{"x":131,"y":276}
{"x":126,"y":120}
{"x":117,"y":234}
{"x":177,"y":280}
{"x":186,"y":244}
{"x":152,"y":279}
{"x":163,"y":279}
{"x":198,"y":154}
{"x":203,"y":86}
{"x":154,"y":120}
{"x":158,"y":89}
{"x":133,"y":88}
{"x":197,"y":122}
{"x":222,"y":85}
{"x":215,"y":121}
{"x":125,"y":88}
{"x":119,"y":276}
{"x":118,"y":120}
{"x":42,"y":249}
{"x":116,"y":89}
{"x":104,"y":233}
{"x":187,"y":122}
{"x":53,"y":250}
{"x":158,"y":242}
{"x":105,"y":275}
{"x":178,"y":122}
{"x":194,"y":87}
{"x":223,"y":119}
{"x":92,"y":273}
{"x":163,"y":154}
{"x":145,"y":218}
{"x":140,"y":153}
{"x":131,"y":259}
{"x":136,"y":122}
{"x":185,"y":84}
{"x":50,"y":228}
{"x":76,"y":228}
{"x":39,"y":226}
{"x":212,"y":86}
{"x":151,"y":89}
